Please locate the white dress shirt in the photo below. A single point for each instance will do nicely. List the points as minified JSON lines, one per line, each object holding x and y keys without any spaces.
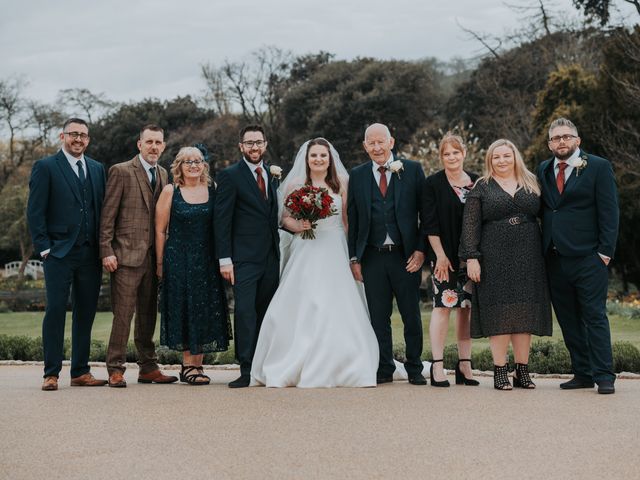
{"x":73,"y":161}
{"x":147,"y":168}
{"x":570,"y":167}
{"x":377,"y":176}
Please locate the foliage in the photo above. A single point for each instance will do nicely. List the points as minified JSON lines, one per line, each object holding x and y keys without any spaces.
{"x":600,"y":10}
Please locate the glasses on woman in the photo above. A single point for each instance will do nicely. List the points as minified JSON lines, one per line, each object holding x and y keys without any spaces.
{"x":192,"y":163}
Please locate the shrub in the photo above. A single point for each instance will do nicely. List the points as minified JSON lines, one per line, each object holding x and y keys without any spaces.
{"x":626,"y":357}
{"x":4,"y":307}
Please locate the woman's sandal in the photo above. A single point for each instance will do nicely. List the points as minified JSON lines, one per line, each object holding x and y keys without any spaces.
{"x":501,"y":378}
{"x":187,"y":375}
{"x":521,"y":377}
{"x":460,"y":378}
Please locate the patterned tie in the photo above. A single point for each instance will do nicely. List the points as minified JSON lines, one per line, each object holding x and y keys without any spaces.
{"x":153,"y":178}
{"x":383,"y":181}
{"x":81,"y":176}
{"x":261,"y":185}
{"x":562,"y":166}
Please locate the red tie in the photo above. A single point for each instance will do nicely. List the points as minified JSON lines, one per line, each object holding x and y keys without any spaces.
{"x":383,"y":181}
{"x":261,"y":184}
{"x":562,"y":166}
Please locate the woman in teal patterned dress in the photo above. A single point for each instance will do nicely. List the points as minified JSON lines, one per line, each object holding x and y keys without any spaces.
{"x":193,"y":306}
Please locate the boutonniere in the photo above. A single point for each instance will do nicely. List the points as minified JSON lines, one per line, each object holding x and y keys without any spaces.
{"x":396,"y":167}
{"x":579,"y":163}
{"x":275,"y":171}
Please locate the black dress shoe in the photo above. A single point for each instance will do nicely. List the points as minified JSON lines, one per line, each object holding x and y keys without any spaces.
{"x":241,"y":382}
{"x":575,"y":383}
{"x":606,"y":387}
{"x":384,"y":379}
{"x":417,"y":379}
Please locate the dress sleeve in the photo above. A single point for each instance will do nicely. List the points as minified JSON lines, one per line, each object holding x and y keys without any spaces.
{"x":430,"y":214}
{"x":471,"y":226}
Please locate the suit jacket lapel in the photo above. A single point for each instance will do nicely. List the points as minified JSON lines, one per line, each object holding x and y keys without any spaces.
{"x":253,"y":184}
{"x":143,"y":180}
{"x":397,"y":192}
{"x":69,"y":175}
{"x":548,"y":176}
{"x":367,"y":184}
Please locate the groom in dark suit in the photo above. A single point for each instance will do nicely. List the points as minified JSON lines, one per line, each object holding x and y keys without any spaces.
{"x":387,"y":245}
{"x":580,"y":229}
{"x":65,"y":199}
{"x":247,"y":241}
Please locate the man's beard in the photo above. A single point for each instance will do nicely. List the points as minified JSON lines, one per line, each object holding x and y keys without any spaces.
{"x":248,"y":158}
{"x":567,"y":155}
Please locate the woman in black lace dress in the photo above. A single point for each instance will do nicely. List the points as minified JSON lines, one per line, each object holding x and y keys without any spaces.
{"x":501,"y":244}
{"x":193,"y":306}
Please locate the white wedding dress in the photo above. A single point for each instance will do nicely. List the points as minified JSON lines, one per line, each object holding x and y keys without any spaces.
{"x":316,"y":332}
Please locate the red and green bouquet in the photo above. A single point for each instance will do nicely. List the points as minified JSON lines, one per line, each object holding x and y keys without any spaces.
{"x":312,"y":204}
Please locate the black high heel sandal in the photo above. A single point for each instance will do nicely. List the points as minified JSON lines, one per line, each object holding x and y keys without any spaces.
{"x":501,"y":378}
{"x":460,"y":378}
{"x":435,"y":383}
{"x":521,"y":377}
{"x":187,"y":375}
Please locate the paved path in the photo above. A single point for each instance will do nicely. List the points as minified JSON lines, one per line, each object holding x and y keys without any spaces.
{"x":396,"y":431}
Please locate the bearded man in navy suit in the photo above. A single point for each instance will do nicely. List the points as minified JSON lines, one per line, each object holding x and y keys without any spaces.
{"x":65,"y":199}
{"x":247,"y":242}
{"x":579,"y":233}
{"x":387,"y":242}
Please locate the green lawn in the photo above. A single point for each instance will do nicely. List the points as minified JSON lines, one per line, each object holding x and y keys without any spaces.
{"x":30,"y":323}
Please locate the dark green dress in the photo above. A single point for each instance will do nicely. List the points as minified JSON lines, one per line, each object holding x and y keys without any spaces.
{"x":193,"y":305}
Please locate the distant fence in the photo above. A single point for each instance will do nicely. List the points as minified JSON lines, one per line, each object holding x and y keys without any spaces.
{"x":33,"y":269}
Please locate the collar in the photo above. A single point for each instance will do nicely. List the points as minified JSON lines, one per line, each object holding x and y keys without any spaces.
{"x":253,"y":166}
{"x":147,"y":166}
{"x":73,"y":160}
{"x":375,"y":166}
{"x":571,"y":160}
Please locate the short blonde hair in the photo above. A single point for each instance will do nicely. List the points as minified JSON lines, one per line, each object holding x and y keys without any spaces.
{"x":524,"y":177}
{"x":182,"y":156}
{"x":454,"y":140}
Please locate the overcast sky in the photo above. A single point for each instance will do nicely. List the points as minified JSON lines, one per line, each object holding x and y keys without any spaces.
{"x":154,"y":48}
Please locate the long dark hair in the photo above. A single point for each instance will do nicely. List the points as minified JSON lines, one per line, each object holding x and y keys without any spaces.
{"x":332,"y":176}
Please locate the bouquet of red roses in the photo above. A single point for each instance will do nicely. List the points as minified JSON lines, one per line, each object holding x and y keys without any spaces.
{"x":312,"y":204}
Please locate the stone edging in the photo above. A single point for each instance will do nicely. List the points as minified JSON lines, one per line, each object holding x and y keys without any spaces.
{"x":233,"y":366}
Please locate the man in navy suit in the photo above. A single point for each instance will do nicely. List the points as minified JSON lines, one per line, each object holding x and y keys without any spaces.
{"x":580,"y":229}
{"x":247,"y":241}
{"x":65,"y":199}
{"x":387,"y":245}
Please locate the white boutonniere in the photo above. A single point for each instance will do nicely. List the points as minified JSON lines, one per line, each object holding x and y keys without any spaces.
{"x":579,"y":163}
{"x":275,"y":171}
{"x":396,"y":167}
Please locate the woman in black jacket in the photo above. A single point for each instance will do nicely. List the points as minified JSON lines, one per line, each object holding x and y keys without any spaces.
{"x":445,"y":195}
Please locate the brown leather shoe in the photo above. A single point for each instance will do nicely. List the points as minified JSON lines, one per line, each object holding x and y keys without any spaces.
{"x":50,"y":383}
{"x":156,"y":377}
{"x":116,"y":380}
{"x":87,"y":380}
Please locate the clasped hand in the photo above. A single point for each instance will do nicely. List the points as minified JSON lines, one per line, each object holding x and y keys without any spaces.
{"x":473,"y":269}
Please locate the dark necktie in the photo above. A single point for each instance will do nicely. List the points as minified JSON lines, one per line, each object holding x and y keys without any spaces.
{"x":562,"y":166}
{"x":81,"y":176}
{"x":153,"y":178}
{"x":261,"y":185}
{"x":383,"y":181}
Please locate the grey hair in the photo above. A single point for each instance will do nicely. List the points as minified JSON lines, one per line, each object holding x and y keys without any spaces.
{"x":563,"y":122}
{"x":378,"y":125}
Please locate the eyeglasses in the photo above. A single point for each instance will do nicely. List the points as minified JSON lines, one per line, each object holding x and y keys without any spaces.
{"x":192,"y":163}
{"x":564,"y":138}
{"x":251,"y":143}
{"x":77,"y":135}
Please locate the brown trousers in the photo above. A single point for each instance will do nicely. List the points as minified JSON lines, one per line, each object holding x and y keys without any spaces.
{"x":134,"y":289}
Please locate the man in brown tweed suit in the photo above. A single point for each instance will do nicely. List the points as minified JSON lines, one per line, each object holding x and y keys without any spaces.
{"x":127,"y":250}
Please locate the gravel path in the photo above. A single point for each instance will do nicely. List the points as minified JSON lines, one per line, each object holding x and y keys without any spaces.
{"x":397,"y":431}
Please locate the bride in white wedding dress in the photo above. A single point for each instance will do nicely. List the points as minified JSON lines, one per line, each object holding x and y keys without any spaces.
{"x":316,"y":332}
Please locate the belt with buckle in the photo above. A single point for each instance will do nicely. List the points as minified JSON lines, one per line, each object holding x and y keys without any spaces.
{"x":385,"y":248}
{"x":514,"y":220}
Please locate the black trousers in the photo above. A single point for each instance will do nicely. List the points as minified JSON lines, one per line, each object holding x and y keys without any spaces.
{"x":385,"y":276}
{"x":255,"y":284}
{"x":79,"y":272}
{"x":579,"y":295}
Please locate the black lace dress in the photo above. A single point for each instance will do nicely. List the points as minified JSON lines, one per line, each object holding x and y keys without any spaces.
{"x":502,"y":232}
{"x":193,"y":305}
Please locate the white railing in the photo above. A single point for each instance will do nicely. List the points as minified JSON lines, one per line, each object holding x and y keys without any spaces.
{"x":33,"y":269}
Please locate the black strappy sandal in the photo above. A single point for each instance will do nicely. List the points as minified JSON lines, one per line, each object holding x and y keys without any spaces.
{"x":187,"y":375}
{"x":521,"y":377}
{"x":501,"y":378}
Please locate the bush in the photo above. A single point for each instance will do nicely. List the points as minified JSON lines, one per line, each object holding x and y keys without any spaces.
{"x":4,"y":307}
{"x":626,"y":357}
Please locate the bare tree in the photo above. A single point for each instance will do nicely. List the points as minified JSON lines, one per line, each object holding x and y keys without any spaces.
{"x":89,"y":103}
{"x":45,"y":118}
{"x":12,"y":107}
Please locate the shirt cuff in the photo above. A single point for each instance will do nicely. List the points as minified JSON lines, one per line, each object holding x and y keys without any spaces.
{"x":225,"y":261}
{"x":604,"y":257}
{"x":45,"y":252}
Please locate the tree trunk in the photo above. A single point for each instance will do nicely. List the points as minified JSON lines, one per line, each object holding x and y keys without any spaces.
{"x":26,"y":251}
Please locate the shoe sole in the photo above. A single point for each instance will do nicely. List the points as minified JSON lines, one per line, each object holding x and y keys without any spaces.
{"x":159,"y":383}
{"x":118,"y":385}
